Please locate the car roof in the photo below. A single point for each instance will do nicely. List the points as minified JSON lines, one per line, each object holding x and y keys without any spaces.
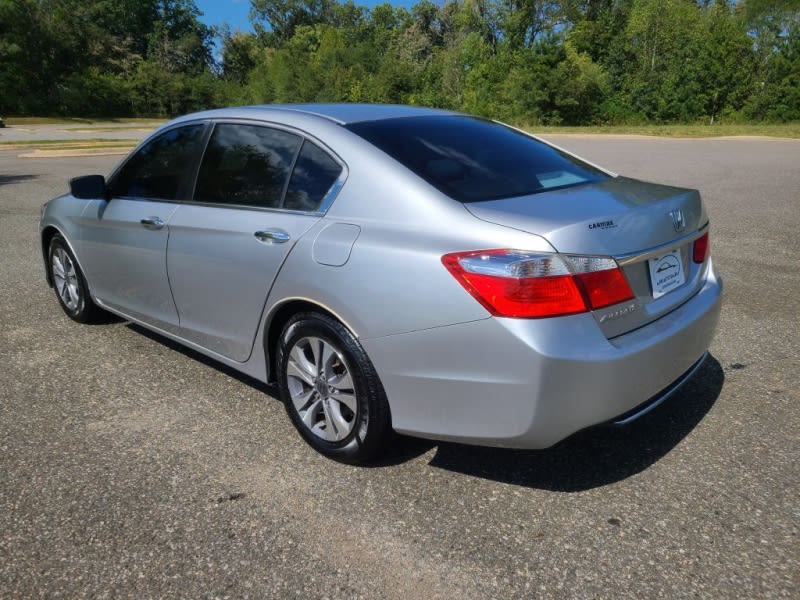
{"x":338,"y":113}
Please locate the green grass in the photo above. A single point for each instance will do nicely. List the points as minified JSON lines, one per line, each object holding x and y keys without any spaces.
{"x":67,"y":146}
{"x":140,"y":127}
{"x":777,"y":130}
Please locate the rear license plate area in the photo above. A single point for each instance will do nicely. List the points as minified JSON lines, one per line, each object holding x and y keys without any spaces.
{"x":666,"y":273}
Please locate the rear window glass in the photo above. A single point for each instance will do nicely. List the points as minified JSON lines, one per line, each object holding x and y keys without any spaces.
{"x":472,"y":159}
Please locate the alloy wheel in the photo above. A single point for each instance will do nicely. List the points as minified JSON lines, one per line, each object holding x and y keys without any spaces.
{"x":65,"y":278}
{"x":321,"y":389}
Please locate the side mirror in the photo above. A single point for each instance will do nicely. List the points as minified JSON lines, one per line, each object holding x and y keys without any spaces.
{"x":88,"y":187}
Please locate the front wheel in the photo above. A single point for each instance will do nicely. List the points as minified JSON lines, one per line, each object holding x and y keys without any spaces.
{"x":70,"y":284}
{"x":331,"y":390}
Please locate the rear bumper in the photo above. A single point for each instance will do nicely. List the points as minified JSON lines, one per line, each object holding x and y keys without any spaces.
{"x":531,"y":383}
{"x":652,"y":403}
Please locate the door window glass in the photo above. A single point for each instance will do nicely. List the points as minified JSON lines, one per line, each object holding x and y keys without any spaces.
{"x":246,"y":165}
{"x":159,"y":168}
{"x":314,"y":174}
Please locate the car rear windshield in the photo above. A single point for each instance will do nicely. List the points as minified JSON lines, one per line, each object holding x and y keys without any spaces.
{"x":472,"y":159}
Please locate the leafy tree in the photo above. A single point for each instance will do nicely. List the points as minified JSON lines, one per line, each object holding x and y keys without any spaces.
{"x":531,"y":61}
{"x":283,"y":17}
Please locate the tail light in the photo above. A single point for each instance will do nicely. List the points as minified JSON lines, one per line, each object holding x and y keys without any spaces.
{"x":515,"y":283}
{"x":701,"y":249}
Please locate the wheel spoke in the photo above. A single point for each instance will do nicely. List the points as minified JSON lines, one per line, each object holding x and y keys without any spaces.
{"x":342,"y":382}
{"x":69,"y":268}
{"x":318,"y":356}
{"x":329,"y":356}
{"x":346,"y":398}
{"x":331,"y":433}
{"x":334,"y":415}
{"x":342,"y":390}
{"x":303,"y":399}
{"x":319,"y":430}
{"x":309,"y":417}
{"x":58,"y":267}
{"x":74,"y":292}
{"x":299,"y":366}
{"x":66,"y":293}
{"x":296,"y":370}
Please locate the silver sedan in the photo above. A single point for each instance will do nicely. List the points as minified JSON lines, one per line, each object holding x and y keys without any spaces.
{"x":396,"y":269}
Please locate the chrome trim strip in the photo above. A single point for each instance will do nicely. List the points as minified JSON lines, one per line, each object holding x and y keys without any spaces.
{"x":673,"y":387}
{"x":626,"y":259}
{"x":267,"y":209}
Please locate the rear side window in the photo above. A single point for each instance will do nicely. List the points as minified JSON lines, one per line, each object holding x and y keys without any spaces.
{"x":472,"y":160}
{"x":314,"y":174}
{"x":158,"y":169}
{"x":247,"y":165}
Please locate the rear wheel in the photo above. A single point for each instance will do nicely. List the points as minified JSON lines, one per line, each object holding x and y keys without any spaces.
{"x":331,"y":390}
{"x":70,"y":284}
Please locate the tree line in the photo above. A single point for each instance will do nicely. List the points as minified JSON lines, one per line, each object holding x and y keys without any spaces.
{"x":523,"y":61}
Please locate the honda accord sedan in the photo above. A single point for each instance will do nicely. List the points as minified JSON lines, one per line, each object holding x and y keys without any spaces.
{"x":393,"y":268}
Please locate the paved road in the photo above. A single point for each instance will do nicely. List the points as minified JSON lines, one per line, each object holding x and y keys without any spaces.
{"x":132,"y":468}
{"x":129,"y":130}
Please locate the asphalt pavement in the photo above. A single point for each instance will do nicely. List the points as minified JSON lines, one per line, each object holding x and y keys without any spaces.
{"x":130,"y":467}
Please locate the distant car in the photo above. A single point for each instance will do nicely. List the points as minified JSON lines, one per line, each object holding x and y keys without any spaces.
{"x":396,"y":268}
{"x":2,"y":123}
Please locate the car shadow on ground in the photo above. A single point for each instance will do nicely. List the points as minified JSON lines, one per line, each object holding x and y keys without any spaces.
{"x":7,"y":179}
{"x":588,"y":459}
{"x":194,"y":355}
{"x":598,"y":456}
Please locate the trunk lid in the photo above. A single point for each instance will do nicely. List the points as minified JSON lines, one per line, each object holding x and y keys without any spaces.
{"x":633,"y":221}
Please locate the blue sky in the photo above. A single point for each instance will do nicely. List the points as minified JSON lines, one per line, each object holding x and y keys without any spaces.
{"x":234,"y":12}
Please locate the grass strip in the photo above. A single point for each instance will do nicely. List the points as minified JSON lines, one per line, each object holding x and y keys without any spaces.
{"x":91,"y":142}
{"x":777,"y":130}
{"x":141,"y":127}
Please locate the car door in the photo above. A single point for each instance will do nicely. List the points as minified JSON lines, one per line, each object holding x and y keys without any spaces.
{"x":124,"y":239}
{"x":258,"y":190}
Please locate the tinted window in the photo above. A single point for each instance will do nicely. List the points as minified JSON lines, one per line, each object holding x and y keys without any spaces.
{"x":247,"y":165}
{"x":158,"y":169}
{"x":472,"y":159}
{"x":313,"y":175}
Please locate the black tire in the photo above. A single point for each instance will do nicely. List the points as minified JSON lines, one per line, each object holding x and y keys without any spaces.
{"x":70,"y":284}
{"x":324,"y":394}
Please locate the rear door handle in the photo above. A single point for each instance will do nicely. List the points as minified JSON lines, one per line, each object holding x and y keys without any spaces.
{"x":152,"y":223}
{"x":272,"y":236}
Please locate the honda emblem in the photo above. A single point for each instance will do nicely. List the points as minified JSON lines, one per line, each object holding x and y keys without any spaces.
{"x":678,"y":220}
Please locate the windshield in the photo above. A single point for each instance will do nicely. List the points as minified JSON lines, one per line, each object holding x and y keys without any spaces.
{"x":472,"y":159}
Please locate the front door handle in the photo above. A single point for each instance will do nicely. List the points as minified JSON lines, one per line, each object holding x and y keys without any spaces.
{"x":272,"y":236}
{"x":152,"y":223}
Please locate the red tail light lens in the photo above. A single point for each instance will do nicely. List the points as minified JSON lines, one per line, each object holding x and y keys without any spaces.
{"x":514,"y":283}
{"x":701,"y":249}
{"x":605,"y":287}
